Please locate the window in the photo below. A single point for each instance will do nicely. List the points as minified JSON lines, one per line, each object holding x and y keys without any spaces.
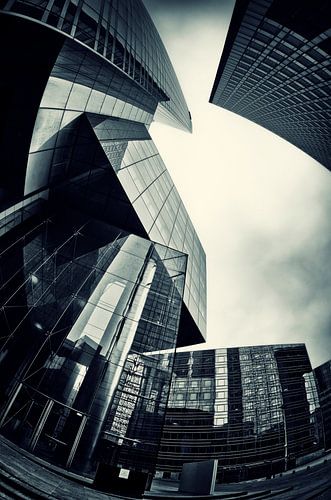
{"x":219,"y":421}
{"x":270,"y":28}
{"x":293,"y":40}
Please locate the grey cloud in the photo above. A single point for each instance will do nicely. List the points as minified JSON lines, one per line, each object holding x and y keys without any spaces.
{"x":189,"y":7}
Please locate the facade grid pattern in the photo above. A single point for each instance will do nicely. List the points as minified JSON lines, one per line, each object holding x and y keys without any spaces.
{"x":278,"y":74}
{"x":255,"y":409}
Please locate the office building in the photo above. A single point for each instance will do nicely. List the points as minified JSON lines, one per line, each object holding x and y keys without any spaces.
{"x":255,"y":409}
{"x":102,"y":272}
{"x":323,"y":379}
{"x":275,"y":71}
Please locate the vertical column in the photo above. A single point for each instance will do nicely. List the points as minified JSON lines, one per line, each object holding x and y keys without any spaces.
{"x":40,"y":425}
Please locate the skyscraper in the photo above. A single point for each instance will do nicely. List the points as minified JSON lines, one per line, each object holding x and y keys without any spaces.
{"x":275,"y":70}
{"x":102,"y":272}
{"x":323,"y":378}
{"x":255,"y":409}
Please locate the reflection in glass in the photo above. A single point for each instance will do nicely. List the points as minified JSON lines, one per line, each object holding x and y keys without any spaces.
{"x":254,"y":408}
{"x":92,"y":387}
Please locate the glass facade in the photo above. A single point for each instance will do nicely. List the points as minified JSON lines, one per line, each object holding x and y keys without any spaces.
{"x":122,"y":32}
{"x":255,"y":409}
{"x":275,"y":70}
{"x":87,"y":311}
{"x":323,"y":380}
{"x":102,"y":273}
{"x":91,"y":117}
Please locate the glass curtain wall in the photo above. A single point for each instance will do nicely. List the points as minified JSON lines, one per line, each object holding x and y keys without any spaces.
{"x":84,"y":307}
{"x":322,"y":375}
{"x":255,"y":409}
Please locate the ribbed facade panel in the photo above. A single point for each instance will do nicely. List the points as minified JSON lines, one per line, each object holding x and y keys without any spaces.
{"x":275,"y":71}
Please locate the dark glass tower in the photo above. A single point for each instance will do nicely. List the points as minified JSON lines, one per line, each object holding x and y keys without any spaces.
{"x":102,"y":272}
{"x":275,"y":70}
{"x":323,"y":378}
{"x":255,"y":409}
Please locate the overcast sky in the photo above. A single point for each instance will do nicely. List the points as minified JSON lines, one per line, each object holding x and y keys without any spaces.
{"x":261,"y":207}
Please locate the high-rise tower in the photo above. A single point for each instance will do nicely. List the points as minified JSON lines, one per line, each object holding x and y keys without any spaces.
{"x":102,"y":272}
{"x":255,"y":409}
{"x":275,"y":70}
{"x":323,"y":379}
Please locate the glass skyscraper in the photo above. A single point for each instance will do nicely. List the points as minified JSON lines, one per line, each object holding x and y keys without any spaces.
{"x":275,"y":70}
{"x":255,"y":409}
{"x":102,"y":272}
{"x":323,"y":379}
